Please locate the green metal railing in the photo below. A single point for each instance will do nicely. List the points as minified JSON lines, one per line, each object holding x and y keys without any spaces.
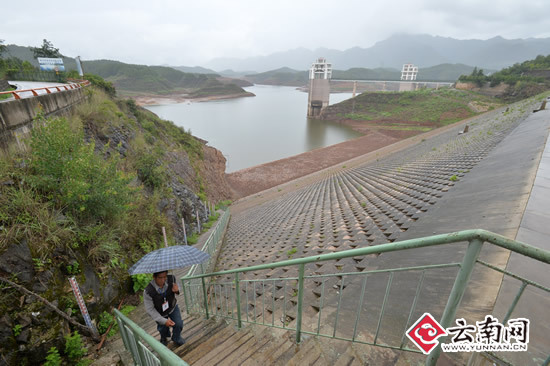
{"x":336,"y":312}
{"x":210,"y":246}
{"x":145,"y":349}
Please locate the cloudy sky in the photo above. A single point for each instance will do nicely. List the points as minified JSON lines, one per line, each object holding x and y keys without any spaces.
{"x":189,"y":33}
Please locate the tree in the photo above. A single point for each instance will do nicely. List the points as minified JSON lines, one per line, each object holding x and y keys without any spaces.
{"x":2,"y":47}
{"x":47,"y":50}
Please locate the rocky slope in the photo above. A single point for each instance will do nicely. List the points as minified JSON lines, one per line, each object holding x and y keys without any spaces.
{"x":163,"y":174}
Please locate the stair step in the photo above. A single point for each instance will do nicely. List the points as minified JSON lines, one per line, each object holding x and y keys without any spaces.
{"x":211,"y":343}
{"x":252,"y":348}
{"x":348,"y":358}
{"x":197,"y":336}
{"x":309,"y":354}
{"x":265,"y":354}
{"x":236,"y":343}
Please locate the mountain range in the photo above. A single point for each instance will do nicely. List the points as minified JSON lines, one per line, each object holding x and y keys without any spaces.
{"x":422,"y":50}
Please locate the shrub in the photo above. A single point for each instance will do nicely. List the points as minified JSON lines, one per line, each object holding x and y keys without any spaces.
{"x":53,"y":358}
{"x":150,"y":172}
{"x":74,"y":349}
{"x":68,"y":170}
{"x":98,"y":81}
{"x":105,"y":321}
{"x":141,"y":281}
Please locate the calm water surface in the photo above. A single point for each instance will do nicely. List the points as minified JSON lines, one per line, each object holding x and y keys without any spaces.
{"x":256,"y":130}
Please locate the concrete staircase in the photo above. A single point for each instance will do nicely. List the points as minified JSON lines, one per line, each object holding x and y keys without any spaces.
{"x":216,"y":342}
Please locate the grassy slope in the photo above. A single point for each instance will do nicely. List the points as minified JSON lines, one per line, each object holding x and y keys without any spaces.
{"x":68,"y":233}
{"x":438,"y":107}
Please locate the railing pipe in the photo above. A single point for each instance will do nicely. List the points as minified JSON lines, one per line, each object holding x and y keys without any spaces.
{"x":459,"y":287}
{"x":205,"y":295}
{"x":301,"y":270}
{"x":46,"y":88}
{"x":338,"y":309}
{"x":514,"y":303}
{"x":413,"y":307}
{"x":388,"y":287}
{"x":456,"y":237}
{"x":186,"y":298}
{"x":238,"y":300}
{"x":165,"y":355}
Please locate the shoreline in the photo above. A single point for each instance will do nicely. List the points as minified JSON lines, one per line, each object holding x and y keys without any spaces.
{"x":154,"y":99}
{"x":262,"y":182}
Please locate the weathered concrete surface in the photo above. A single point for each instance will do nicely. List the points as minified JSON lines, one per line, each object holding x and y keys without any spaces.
{"x":493,"y":196}
{"x":534,"y":230}
{"x":16,"y":115}
{"x":18,"y":112}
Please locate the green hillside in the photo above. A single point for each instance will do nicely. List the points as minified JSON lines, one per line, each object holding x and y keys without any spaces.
{"x":436,"y":107}
{"x":444,"y":72}
{"x":154,"y":79}
{"x":524,"y":79}
{"x":282,"y":76}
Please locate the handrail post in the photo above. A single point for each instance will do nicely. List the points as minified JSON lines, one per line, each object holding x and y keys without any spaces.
{"x":459,"y":287}
{"x":183,"y":285}
{"x":301,"y":270}
{"x":238,"y":300}
{"x":205,"y":297}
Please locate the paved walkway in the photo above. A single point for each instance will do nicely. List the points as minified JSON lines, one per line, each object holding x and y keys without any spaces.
{"x":534,"y":230}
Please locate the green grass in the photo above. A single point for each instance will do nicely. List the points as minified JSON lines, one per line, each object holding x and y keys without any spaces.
{"x":291,"y":252}
{"x":6,"y":96}
{"x":440,"y":107}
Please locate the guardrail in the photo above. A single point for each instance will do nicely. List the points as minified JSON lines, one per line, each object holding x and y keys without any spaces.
{"x":210,"y":247}
{"x":144,"y":348}
{"x":225,"y":299}
{"x":48,"y":89}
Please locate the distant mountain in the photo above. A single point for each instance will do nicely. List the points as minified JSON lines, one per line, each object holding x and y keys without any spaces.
{"x":422,"y":50}
{"x":282,"y":76}
{"x":360,"y":73}
{"x":291,"y":77}
{"x":194,"y":70}
{"x":234,"y":74}
{"x":446,"y":72}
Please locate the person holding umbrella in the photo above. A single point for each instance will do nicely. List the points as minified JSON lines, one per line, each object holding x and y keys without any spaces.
{"x":159,"y":298}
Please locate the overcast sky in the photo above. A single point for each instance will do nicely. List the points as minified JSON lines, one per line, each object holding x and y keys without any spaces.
{"x":191,"y":33}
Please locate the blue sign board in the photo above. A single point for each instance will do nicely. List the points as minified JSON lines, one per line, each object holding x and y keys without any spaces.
{"x":50,"y":64}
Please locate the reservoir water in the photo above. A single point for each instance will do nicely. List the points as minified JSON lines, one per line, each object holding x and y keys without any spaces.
{"x":256,"y":130}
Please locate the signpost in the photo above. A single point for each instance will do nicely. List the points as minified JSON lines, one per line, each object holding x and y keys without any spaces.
{"x":82,"y":305}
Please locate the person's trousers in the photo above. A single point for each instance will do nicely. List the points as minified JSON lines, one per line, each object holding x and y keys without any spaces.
{"x":176,"y":329}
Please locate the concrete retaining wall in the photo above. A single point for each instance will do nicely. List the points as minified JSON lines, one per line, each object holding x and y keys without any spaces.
{"x":16,"y":116}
